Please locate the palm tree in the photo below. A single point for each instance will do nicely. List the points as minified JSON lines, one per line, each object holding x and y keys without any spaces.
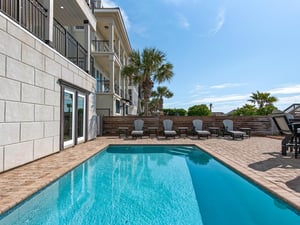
{"x":154,"y":105}
{"x":146,"y":68}
{"x":262,"y":99}
{"x":160,"y":93}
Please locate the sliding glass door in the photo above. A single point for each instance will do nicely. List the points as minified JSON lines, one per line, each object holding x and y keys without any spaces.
{"x":69,"y":118}
{"x":74,"y":117}
{"x":80,"y":118}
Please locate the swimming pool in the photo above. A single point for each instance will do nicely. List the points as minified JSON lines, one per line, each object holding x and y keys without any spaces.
{"x":152,"y":184}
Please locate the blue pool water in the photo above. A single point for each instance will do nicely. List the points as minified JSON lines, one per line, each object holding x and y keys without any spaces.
{"x":152,"y":185}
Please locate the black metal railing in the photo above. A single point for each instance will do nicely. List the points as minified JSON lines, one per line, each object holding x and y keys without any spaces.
{"x":92,"y":66}
{"x":68,"y":46}
{"x":30,"y":14}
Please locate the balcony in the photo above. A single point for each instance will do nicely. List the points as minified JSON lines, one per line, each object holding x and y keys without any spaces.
{"x":30,"y":14}
{"x":100,"y":46}
{"x":102,"y":86}
{"x":67,"y":45}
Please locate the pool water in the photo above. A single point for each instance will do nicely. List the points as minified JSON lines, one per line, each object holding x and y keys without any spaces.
{"x":152,"y":185}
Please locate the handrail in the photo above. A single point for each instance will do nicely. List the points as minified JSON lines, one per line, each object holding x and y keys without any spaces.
{"x":30,"y":14}
{"x":68,"y":46}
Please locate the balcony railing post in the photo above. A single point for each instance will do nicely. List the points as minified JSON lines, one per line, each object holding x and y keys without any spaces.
{"x":19,"y":11}
{"x":77,"y":54}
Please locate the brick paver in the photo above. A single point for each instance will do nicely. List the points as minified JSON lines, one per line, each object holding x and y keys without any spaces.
{"x":258,"y":158}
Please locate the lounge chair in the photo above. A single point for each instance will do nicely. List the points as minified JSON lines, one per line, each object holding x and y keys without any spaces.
{"x":290,"y":132}
{"x":138,"y":130}
{"x":228,"y":130}
{"x":198,"y":124}
{"x":168,"y":128}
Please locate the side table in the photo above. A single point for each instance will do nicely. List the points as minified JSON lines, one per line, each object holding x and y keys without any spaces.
{"x":153,"y":131}
{"x":214,"y":130}
{"x":246,"y":130}
{"x":182,"y":131}
{"x":123,"y":130}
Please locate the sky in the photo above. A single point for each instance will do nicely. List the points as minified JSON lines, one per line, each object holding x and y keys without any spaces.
{"x":222,"y":50}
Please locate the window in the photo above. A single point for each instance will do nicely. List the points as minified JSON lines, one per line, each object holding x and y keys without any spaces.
{"x":79,"y":27}
{"x":98,"y":80}
{"x":117,"y":106}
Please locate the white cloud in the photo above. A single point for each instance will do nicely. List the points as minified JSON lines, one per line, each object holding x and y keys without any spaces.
{"x":293,"y":89}
{"x":197,"y":88}
{"x":284,"y":102}
{"x":226,"y":85}
{"x":201,"y":94}
{"x":220,"y":20}
{"x":183,"y":21}
{"x":111,"y":4}
{"x":225,"y":98}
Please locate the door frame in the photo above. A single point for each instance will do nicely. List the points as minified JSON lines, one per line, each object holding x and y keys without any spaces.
{"x":77,"y":91}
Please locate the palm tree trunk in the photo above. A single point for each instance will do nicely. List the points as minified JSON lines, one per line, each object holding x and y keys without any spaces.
{"x":147,"y":88}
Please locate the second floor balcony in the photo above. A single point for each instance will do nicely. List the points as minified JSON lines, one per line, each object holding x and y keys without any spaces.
{"x":100,"y":46}
{"x":33,"y":16}
{"x":30,"y":14}
{"x":68,"y":46}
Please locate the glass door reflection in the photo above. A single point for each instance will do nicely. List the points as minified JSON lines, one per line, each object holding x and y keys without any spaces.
{"x":80,"y":118}
{"x":69,"y":101}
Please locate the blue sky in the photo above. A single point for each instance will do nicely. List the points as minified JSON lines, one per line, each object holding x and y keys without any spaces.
{"x":222,"y":50}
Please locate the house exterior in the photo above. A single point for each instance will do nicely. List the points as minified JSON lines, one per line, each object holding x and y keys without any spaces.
{"x":60,"y":66}
{"x":116,"y":95}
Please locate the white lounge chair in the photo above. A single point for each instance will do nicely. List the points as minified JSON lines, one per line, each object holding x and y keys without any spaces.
{"x":228,"y":129}
{"x":168,"y":128}
{"x":198,"y":128}
{"x":138,"y":130}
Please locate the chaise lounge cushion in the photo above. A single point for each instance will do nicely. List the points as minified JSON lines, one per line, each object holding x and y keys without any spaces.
{"x":198,"y":124}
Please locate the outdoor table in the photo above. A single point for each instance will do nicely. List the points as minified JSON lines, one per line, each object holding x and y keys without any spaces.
{"x":153,"y":131}
{"x":247,"y":131}
{"x":214,"y":130}
{"x":182,"y":131}
{"x":123,"y":130}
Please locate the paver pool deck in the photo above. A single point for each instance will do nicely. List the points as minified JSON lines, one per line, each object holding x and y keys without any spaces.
{"x":258,"y":158}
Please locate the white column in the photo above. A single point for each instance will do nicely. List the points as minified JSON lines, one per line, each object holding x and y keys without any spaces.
{"x":119,"y":82}
{"x":119,"y":48}
{"x":126,"y":87}
{"x":112,"y":74}
{"x":111,"y":37}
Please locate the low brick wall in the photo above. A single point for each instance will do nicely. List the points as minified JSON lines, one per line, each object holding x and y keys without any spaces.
{"x":260,"y":125}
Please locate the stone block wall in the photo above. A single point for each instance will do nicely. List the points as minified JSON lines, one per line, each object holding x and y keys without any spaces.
{"x":30,"y":95}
